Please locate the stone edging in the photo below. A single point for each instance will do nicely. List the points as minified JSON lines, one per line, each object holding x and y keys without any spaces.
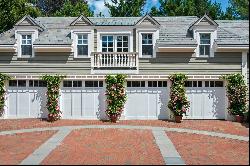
{"x":203,"y":132}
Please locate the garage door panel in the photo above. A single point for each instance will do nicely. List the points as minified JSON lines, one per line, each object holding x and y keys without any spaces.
{"x":83,"y":103}
{"x":206,"y":102}
{"x":67,"y":101}
{"x":163,"y":98}
{"x":196,"y":99}
{"x":89,"y":104}
{"x":12,"y":99}
{"x":214,"y":99}
{"x":35,"y":106}
{"x":23,"y":103}
{"x":146,"y":103}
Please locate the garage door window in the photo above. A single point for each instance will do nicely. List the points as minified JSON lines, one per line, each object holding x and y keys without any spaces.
{"x":193,"y":84}
{"x":213,"y":83}
{"x":93,"y":83}
{"x":37,"y":83}
{"x":136,"y":84}
{"x":157,"y":83}
{"x":17,"y":83}
{"x":72,"y":83}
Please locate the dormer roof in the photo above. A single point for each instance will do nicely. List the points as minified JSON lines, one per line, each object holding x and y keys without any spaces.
{"x":81,"y":21}
{"x":29,"y":21}
{"x":204,"y":21}
{"x":147,"y":20}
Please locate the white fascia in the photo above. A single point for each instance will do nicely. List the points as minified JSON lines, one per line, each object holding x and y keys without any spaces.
{"x":114,"y":30}
{"x":7,"y":48}
{"x":90,"y":32}
{"x":139,"y":31}
{"x":18,"y":36}
{"x":213,"y":36}
{"x":176,"y":49}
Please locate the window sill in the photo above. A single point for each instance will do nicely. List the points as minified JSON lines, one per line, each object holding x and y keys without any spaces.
{"x":146,"y":56}
{"x":204,"y":57}
{"x":25,"y":57}
{"x":82,"y":57}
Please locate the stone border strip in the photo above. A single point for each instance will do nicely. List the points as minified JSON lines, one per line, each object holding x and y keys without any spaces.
{"x":167,"y":148}
{"x":203,"y":132}
{"x":44,"y":150}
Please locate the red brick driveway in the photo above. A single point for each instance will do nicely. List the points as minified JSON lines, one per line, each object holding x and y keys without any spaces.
{"x":125,"y":146}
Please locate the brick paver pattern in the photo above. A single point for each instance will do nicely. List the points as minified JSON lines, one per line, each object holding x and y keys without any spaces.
{"x":15,"y":148}
{"x":107,"y":146}
{"x":206,"y":150}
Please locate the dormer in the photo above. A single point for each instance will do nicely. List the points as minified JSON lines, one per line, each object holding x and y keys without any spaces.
{"x":147,"y":29}
{"x":82,"y":34}
{"x":26,"y":32}
{"x":204,"y":31}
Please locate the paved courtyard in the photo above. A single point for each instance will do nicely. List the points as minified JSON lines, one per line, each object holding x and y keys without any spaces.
{"x":156,"y":142}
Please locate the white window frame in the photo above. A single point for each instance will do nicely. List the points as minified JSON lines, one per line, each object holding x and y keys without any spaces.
{"x":115,"y":41}
{"x":74,"y":37}
{"x":18,"y":36}
{"x":155,"y":36}
{"x":116,"y":30}
{"x":205,"y":44}
{"x":147,"y":56}
{"x":82,"y":34}
{"x":213,"y":36}
{"x":26,"y":40}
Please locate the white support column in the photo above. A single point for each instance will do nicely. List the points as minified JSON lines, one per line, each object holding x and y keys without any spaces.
{"x":244,"y":65}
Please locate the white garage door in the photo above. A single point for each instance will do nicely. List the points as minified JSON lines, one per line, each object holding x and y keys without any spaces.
{"x":26,"y":99}
{"x":83,"y":100}
{"x":207,"y":99}
{"x":146,"y":100}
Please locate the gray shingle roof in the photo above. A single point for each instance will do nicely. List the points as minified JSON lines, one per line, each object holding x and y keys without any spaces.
{"x":233,"y":32}
{"x":173,"y":30}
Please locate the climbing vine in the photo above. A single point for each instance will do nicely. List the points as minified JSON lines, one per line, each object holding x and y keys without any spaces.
{"x":116,"y":95}
{"x":178,"y":102}
{"x":3,"y":78}
{"x":236,"y":93}
{"x":53,"y":84}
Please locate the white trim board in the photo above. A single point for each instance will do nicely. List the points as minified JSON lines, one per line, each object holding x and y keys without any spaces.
{"x":130,"y":76}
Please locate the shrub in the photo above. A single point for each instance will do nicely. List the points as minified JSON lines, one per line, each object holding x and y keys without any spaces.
{"x":3,"y":78}
{"x":236,"y":93}
{"x":116,"y":94}
{"x":53,"y":84}
{"x":178,"y":102}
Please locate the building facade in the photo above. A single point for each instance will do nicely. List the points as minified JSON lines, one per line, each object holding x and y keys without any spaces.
{"x":147,"y":49}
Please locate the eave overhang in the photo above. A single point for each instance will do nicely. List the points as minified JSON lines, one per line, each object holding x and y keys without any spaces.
{"x":7,"y":48}
{"x":231,"y":47}
{"x":52,"y":48}
{"x":176,"y":48}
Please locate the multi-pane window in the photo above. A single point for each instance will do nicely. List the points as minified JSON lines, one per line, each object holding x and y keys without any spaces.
{"x":93,"y":83}
{"x":26,"y":45}
{"x":122,"y":43}
{"x":204,"y":44}
{"x":17,"y":83}
{"x":213,"y":83}
{"x":37,"y":83}
{"x":107,"y":44}
{"x":193,"y":83}
{"x":82,"y":45}
{"x":136,"y":84}
{"x":147,"y":44}
{"x":157,"y":83}
{"x":72,"y":83}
